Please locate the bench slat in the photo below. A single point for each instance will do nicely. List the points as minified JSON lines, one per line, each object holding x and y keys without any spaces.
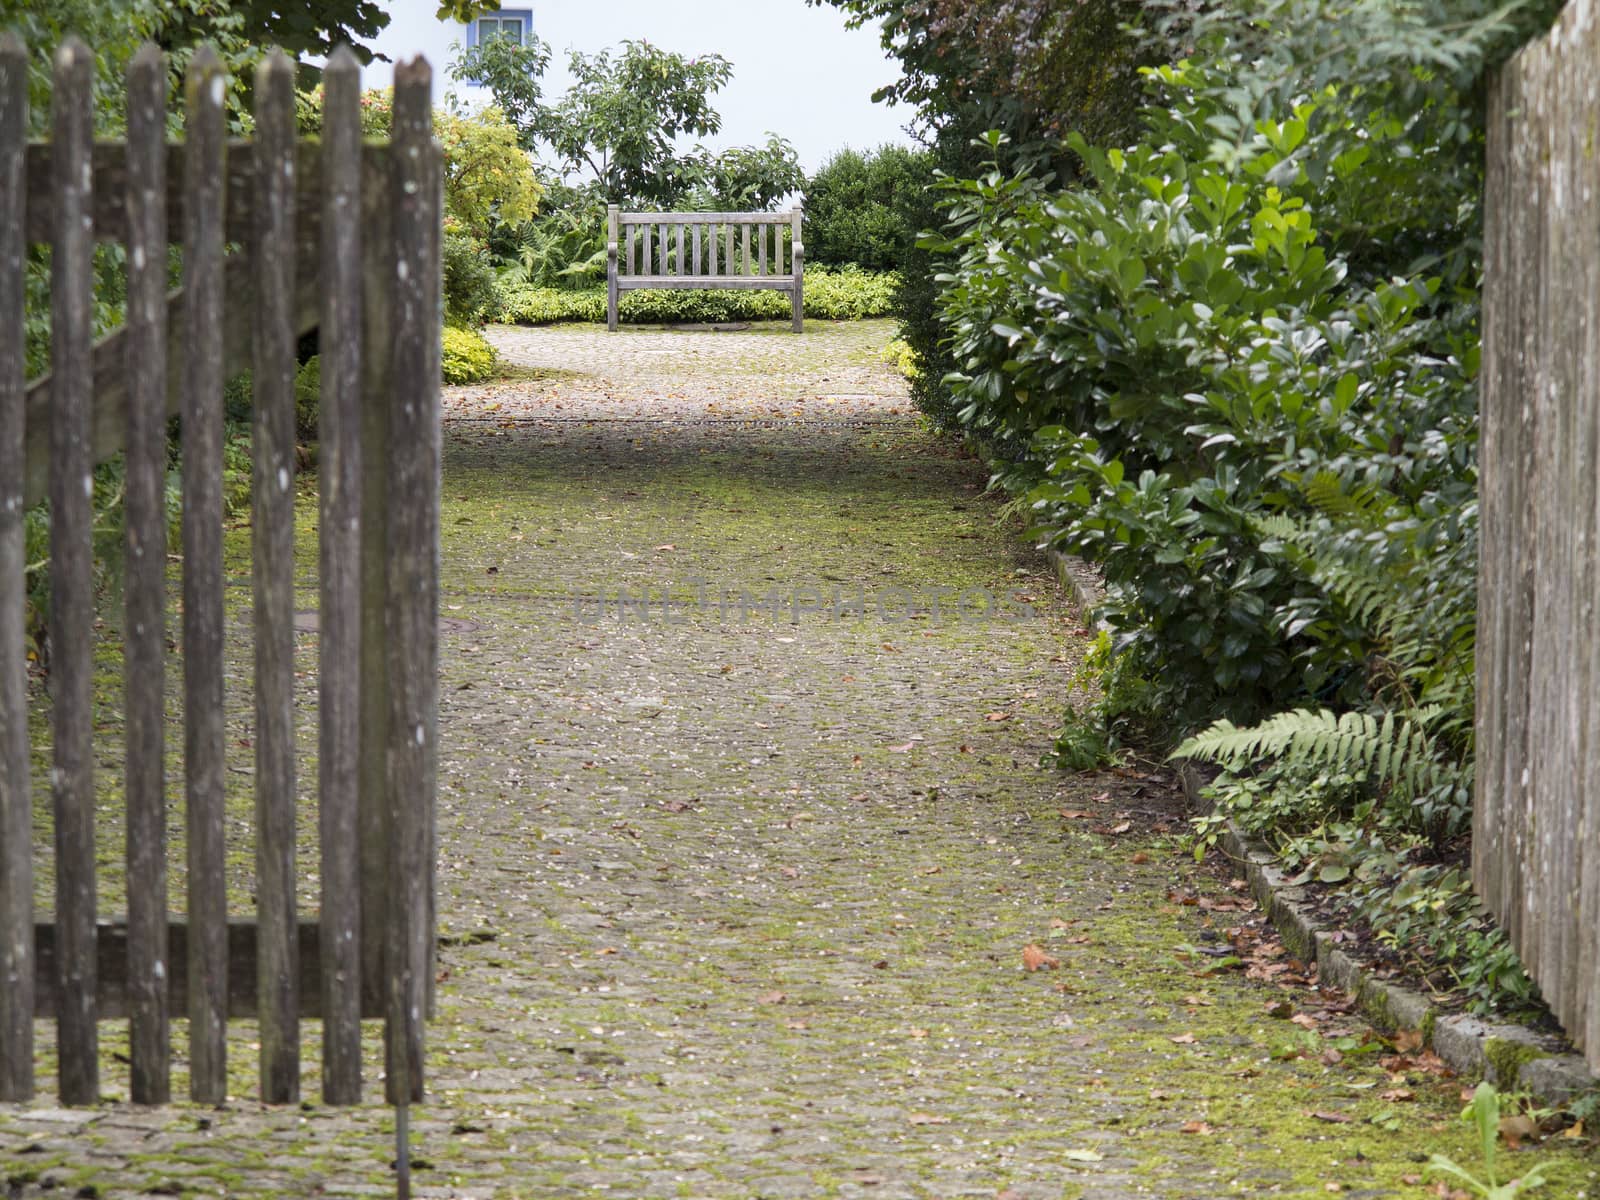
{"x":776,"y":283}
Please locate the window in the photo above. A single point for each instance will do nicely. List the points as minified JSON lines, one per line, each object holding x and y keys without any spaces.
{"x":513,"y":23}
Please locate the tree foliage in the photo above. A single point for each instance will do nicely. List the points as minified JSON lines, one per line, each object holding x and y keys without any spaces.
{"x":863,"y":208}
{"x":620,"y":118}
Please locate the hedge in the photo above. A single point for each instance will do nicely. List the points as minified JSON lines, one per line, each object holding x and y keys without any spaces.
{"x":842,"y":294}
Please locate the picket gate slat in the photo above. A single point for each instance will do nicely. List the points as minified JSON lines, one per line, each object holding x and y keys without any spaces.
{"x":145,"y":579}
{"x":272,"y":495}
{"x":339,"y":624}
{"x":413,"y":574}
{"x":204,"y":759}
{"x":71,"y":575}
{"x":16,"y":801}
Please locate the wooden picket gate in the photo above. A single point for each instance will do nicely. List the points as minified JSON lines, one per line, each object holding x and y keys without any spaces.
{"x":341,"y":235}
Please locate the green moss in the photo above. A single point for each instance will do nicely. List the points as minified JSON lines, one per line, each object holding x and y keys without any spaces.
{"x":1506,"y":1059}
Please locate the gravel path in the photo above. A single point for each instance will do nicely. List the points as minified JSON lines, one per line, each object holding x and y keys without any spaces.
{"x":744,"y":835}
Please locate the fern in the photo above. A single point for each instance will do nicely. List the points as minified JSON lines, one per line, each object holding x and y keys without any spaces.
{"x":1393,"y":751}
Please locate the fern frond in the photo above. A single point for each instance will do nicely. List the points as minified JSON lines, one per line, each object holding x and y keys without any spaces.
{"x":1392,"y":750}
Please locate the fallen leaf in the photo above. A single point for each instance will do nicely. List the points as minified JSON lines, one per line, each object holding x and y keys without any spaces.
{"x":1033,"y":958}
{"x":904,"y":748}
{"x":1121,"y":827}
{"x":1517,"y":1130}
{"x":997,"y":716}
{"x":1075,"y":814}
{"x":927,"y":1119}
{"x":666,"y":547}
{"x":1140,"y":858}
{"x":1333,"y":1187}
{"x":919,"y":1033}
{"x":1333,"y":1118}
{"x":1397,"y":1095}
{"x":1408,"y":1040}
{"x":771,"y":998}
{"x":1082,"y":1156}
{"x":1195,"y":1127}
{"x":1184,"y":1039}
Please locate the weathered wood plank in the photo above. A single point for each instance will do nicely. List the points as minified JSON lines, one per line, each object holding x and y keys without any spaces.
{"x":692,"y":218}
{"x":272,"y":578}
{"x":744,"y":249}
{"x":202,"y":579}
{"x":1583,"y":1019}
{"x":339,"y":473}
{"x":1538,"y":723}
{"x":762,"y":232}
{"x":114,"y":1000}
{"x":413,"y":575}
{"x":377,"y":287}
{"x":110,"y":355}
{"x":71,"y":573}
{"x":145,"y":572}
{"x":16,"y":801}
{"x":797,"y":264}
{"x":683,"y":233}
{"x":111,"y":184}
{"x":611,"y":267}
{"x":764,"y":283}
{"x":698,"y":262}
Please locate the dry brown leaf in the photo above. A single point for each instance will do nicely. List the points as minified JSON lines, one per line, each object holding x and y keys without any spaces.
{"x":1184,"y":1039}
{"x":771,"y":998}
{"x":927,"y":1119}
{"x":1408,"y":1040}
{"x":1195,"y":1127}
{"x":1139,"y":859}
{"x":997,"y":716}
{"x":1397,"y":1095}
{"x":1075,"y":814}
{"x":1033,"y":957}
{"x":1333,"y":1118}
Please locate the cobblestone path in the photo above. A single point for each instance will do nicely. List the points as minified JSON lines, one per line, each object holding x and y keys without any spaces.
{"x":742,"y":844}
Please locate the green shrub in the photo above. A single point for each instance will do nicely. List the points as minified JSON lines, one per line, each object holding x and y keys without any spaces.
{"x":847,"y":294}
{"x":466,"y":356}
{"x":470,"y":295}
{"x":862,"y":208}
{"x":307,"y":398}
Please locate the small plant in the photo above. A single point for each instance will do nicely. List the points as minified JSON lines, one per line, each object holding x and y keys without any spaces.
{"x":466,"y":356}
{"x":1484,"y":1112}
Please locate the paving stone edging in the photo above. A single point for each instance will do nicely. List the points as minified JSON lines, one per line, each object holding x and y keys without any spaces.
{"x":1509,"y":1056}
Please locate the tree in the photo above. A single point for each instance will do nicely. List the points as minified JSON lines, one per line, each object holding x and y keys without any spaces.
{"x":513,"y":72}
{"x":621,"y":116}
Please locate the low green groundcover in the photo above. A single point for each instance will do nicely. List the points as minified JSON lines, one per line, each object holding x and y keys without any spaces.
{"x":831,"y":294}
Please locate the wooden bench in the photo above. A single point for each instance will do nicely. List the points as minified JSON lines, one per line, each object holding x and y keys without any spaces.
{"x":692,"y":251}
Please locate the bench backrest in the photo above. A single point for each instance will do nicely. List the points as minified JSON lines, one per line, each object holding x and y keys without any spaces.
{"x":703,"y":250}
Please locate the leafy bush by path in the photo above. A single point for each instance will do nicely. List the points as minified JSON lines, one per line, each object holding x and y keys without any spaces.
{"x":466,"y":357}
{"x":470,"y":294}
{"x":1237,"y":368}
{"x":861,"y":208}
{"x":845,"y":294}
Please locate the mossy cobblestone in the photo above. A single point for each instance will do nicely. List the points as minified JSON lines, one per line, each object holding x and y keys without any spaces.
{"x":733,"y":904}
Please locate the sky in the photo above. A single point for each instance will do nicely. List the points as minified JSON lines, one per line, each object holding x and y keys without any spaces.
{"x":797,"y":71}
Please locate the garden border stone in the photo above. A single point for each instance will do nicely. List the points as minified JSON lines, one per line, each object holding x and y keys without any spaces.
{"x":1507,"y":1055}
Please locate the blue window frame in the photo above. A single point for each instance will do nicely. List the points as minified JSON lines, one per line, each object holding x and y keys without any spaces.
{"x":514,"y":23}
